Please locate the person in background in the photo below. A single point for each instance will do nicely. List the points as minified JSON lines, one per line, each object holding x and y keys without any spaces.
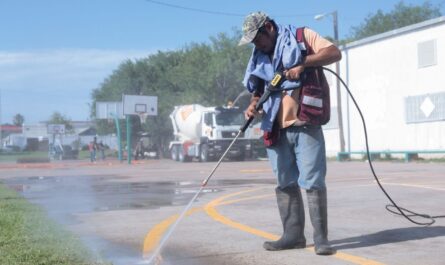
{"x":95,"y":147}
{"x":101,"y":148}
{"x":139,"y":150}
{"x":92,"y":152}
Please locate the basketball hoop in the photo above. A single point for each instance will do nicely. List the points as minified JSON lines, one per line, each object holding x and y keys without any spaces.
{"x":143,"y":117}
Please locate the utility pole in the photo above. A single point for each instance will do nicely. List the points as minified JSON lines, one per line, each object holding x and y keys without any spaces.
{"x":337,"y":70}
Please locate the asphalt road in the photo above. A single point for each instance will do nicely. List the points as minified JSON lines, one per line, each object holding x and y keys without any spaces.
{"x":123,"y":211}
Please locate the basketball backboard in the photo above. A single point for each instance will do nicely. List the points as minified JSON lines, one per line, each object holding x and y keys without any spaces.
{"x":136,"y":105}
{"x":109,"y":110}
{"x":56,"y":128}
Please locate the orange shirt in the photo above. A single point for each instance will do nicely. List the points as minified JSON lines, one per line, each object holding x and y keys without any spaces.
{"x":287,"y":115}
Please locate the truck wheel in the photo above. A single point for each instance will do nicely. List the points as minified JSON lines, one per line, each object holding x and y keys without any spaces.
{"x":175,"y":153}
{"x":204,"y":154}
{"x":183,"y":157}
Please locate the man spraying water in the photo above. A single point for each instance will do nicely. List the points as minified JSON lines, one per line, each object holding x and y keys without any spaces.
{"x":295,"y":146}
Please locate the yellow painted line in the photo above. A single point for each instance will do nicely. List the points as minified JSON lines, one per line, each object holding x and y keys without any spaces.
{"x":210,"y":209}
{"x":212,"y":212}
{"x":245,"y":199}
{"x":153,"y":238}
{"x":356,"y":259}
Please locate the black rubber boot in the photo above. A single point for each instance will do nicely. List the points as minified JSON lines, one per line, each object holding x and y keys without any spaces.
{"x":291,"y":208}
{"x":318,"y":210}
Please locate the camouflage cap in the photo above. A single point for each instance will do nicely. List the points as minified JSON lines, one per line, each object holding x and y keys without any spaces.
{"x":252,"y":23}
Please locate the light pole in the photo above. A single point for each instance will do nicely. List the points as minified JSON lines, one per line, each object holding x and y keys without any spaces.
{"x":337,"y":70}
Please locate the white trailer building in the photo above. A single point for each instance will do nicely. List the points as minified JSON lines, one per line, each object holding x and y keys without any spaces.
{"x":398,"y":79}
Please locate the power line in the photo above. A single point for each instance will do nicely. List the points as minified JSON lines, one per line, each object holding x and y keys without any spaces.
{"x":196,"y":9}
{"x":215,"y":12}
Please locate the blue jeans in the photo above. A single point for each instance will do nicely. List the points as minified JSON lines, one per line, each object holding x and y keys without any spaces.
{"x":299,"y":157}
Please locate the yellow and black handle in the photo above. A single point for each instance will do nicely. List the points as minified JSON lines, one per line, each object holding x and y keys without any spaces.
{"x":274,"y":85}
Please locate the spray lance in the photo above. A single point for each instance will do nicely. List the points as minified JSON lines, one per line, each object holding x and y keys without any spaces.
{"x":274,"y":86}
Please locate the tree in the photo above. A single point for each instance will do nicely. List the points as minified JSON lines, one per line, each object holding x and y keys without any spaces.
{"x":402,"y":15}
{"x":18,"y":119}
{"x":228,"y":67}
{"x":58,"y":118}
{"x":207,"y":74}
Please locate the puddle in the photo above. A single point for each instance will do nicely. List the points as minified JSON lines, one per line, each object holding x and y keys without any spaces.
{"x":100,"y":193}
{"x":87,"y":194}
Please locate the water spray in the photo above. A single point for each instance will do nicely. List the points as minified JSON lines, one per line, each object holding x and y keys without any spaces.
{"x":273,"y":87}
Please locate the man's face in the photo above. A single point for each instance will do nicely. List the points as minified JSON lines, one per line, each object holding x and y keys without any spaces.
{"x":265,"y":39}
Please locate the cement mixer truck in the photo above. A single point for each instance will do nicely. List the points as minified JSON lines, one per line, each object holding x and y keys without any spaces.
{"x":206,"y":132}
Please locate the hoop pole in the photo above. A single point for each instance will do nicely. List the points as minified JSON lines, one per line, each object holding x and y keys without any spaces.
{"x":128,"y":139}
{"x":119,"y":140}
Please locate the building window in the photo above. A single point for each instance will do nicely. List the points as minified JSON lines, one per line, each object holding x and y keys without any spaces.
{"x":426,"y":53}
{"x":425,"y":108}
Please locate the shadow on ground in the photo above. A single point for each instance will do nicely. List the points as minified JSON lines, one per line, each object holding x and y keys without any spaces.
{"x":389,"y":236}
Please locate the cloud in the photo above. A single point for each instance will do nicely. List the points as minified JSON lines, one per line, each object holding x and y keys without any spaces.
{"x":37,"y":83}
{"x":61,"y":64}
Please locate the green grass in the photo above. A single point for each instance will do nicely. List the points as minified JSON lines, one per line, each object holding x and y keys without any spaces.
{"x":29,"y":237}
{"x":13,"y":157}
{"x":85,"y":154}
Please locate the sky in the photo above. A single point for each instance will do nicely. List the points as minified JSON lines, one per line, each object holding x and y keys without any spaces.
{"x":53,"y":53}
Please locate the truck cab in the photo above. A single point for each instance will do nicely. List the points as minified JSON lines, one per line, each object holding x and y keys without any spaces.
{"x":206,"y":133}
{"x":220,"y":126}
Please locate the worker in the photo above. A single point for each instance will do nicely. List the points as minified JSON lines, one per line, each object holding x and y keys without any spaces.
{"x":296,"y":150}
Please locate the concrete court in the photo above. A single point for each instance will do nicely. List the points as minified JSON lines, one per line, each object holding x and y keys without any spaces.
{"x":122,"y":211}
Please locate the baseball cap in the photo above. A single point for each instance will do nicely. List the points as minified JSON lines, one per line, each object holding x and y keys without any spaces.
{"x":252,"y":23}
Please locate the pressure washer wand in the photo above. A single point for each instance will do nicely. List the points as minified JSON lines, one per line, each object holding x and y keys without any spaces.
{"x":273,"y":86}
{"x":243,"y":128}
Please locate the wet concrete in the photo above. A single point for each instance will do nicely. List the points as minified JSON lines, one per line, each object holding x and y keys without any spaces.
{"x":65,"y":197}
{"x":86,"y":194}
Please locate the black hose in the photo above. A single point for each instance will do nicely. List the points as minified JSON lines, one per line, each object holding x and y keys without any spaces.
{"x":401,"y":211}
